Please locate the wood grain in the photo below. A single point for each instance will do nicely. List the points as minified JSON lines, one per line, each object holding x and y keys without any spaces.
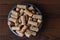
{"x":51,"y":19}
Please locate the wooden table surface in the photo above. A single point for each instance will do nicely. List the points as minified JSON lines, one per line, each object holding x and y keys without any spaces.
{"x":51,"y":19}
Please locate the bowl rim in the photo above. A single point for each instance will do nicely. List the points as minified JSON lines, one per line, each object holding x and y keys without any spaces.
{"x":25,"y":4}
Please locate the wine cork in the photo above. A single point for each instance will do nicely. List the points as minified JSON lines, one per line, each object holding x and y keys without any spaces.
{"x":20,"y":34}
{"x":19,"y":20}
{"x":23,"y":20}
{"x":28,"y":25}
{"x":17,"y":9}
{"x":35,"y":20}
{"x":23,"y":29}
{"x":12,"y":19}
{"x":20,"y":25}
{"x":30,"y":19}
{"x":21,"y":11}
{"x":14,"y":13}
{"x":37,"y":16}
{"x":27,"y":12}
{"x":33,"y":33}
{"x":31,"y":8}
{"x":15,"y":28}
{"x":33,"y":12}
{"x":27,"y":33}
{"x":21,"y":6}
{"x":32,"y":23}
{"x":39,"y":21}
{"x":13,"y":16}
{"x":26,"y":17}
{"x":9,"y":23}
{"x":16,"y":24}
{"x":34,"y":28}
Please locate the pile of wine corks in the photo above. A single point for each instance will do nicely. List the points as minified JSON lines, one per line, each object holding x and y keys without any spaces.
{"x":25,"y":20}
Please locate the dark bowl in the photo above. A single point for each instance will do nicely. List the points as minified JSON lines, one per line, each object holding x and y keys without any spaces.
{"x":28,"y":4}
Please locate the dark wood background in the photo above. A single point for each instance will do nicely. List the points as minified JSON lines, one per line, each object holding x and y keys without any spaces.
{"x":51,"y":19}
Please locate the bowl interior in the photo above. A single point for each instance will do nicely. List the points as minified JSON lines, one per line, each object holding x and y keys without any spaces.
{"x":28,"y":4}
